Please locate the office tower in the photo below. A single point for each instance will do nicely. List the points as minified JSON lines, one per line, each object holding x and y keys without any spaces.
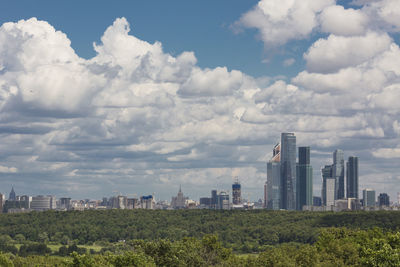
{"x":65,"y":203}
{"x":1,"y":202}
{"x":338,"y":173}
{"x":12,"y":196}
{"x":383,"y":200}
{"x":40,"y":203}
{"x":223,"y":201}
{"x":214,"y":199}
{"x":317,"y":201}
{"x":147,"y":202}
{"x":133,"y":203}
{"x":273,"y":191}
{"x":326,"y":174}
{"x":368,"y":198}
{"x":236,"y":193}
{"x":352,"y":177}
{"x":304,"y":179}
{"x":265,"y":195}
{"x":329,"y":189}
{"x":25,"y":202}
{"x":288,"y":171}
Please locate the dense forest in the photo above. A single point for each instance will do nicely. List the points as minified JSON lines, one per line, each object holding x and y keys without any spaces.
{"x":144,"y":236}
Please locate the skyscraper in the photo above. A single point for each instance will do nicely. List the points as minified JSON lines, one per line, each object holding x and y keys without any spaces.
{"x":338,"y":173}
{"x":304,"y":179}
{"x":12,"y":195}
{"x":214,"y":199}
{"x":352,"y":177}
{"x":288,"y":171}
{"x":329,"y":189}
{"x":179,"y":201}
{"x":273,"y":194}
{"x":368,"y":198}
{"x":383,"y":200}
{"x":326,"y":174}
{"x":236,"y":193}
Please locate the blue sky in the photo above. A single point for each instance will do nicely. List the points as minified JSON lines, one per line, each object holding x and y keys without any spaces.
{"x":194,"y":94}
{"x":203,"y":27}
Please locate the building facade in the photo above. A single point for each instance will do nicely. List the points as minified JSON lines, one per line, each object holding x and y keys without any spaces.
{"x":41,"y":203}
{"x":179,"y":201}
{"x":304,"y":179}
{"x":12,"y":196}
{"x":288,"y":171}
{"x":236,"y":193}
{"x":352,"y":177}
{"x":338,"y":173}
{"x":273,"y":185}
{"x":329,"y":192}
{"x":368,"y":198}
{"x":383,"y":200}
{"x":326,"y":174}
{"x":223,"y":201}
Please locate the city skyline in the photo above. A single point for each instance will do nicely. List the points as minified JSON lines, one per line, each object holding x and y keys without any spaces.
{"x":141,"y":97}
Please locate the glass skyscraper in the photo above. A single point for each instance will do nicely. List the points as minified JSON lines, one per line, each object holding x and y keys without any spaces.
{"x":304,"y":179}
{"x":288,"y":171}
{"x":338,"y":173}
{"x":352,"y":177}
{"x":273,"y":194}
{"x":326,"y":174}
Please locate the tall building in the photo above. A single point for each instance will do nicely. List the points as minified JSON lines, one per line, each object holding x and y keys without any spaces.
{"x":223,"y":201}
{"x":368,"y":198}
{"x":65,"y":203}
{"x":326,"y":174}
{"x":236,"y":193}
{"x":304,"y":179}
{"x":1,"y":202}
{"x":352,"y":177}
{"x":133,"y":203}
{"x":317,"y":201}
{"x":179,"y":201}
{"x":338,"y":173}
{"x":12,"y":195}
{"x":25,"y":202}
{"x":273,"y":190}
{"x":147,"y":202}
{"x":288,"y":171}
{"x":265,"y":195}
{"x":329,"y":189}
{"x":214,"y":199}
{"x":40,"y":203}
{"x":383,"y":200}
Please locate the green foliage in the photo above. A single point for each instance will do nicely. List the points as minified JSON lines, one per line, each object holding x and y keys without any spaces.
{"x":242,"y":231}
{"x":5,"y":261}
{"x":34,"y":249}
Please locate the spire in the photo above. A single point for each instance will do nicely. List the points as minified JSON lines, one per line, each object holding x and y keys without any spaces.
{"x":180,"y":188}
{"x":12,"y":194}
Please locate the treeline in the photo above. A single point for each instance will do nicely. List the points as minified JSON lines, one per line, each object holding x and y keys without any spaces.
{"x":243,"y":231}
{"x":333,"y":247}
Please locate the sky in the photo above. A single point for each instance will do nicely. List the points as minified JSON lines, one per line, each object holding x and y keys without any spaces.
{"x":138,"y":97}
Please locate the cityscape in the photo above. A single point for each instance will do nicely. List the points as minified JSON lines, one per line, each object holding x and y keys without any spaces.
{"x":289,"y":186}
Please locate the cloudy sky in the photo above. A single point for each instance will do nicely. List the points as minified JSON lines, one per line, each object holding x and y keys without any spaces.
{"x":142,"y":96}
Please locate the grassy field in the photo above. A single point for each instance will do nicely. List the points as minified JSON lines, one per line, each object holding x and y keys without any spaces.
{"x":56,"y":247}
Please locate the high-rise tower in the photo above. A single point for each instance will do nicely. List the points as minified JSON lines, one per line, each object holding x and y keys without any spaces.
{"x":338,"y":173}
{"x":352,"y":177}
{"x":326,"y":174}
{"x":236,"y":193}
{"x":304,"y":179}
{"x":273,"y":192}
{"x":12,"y":195}
{"x":288,"y":171}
